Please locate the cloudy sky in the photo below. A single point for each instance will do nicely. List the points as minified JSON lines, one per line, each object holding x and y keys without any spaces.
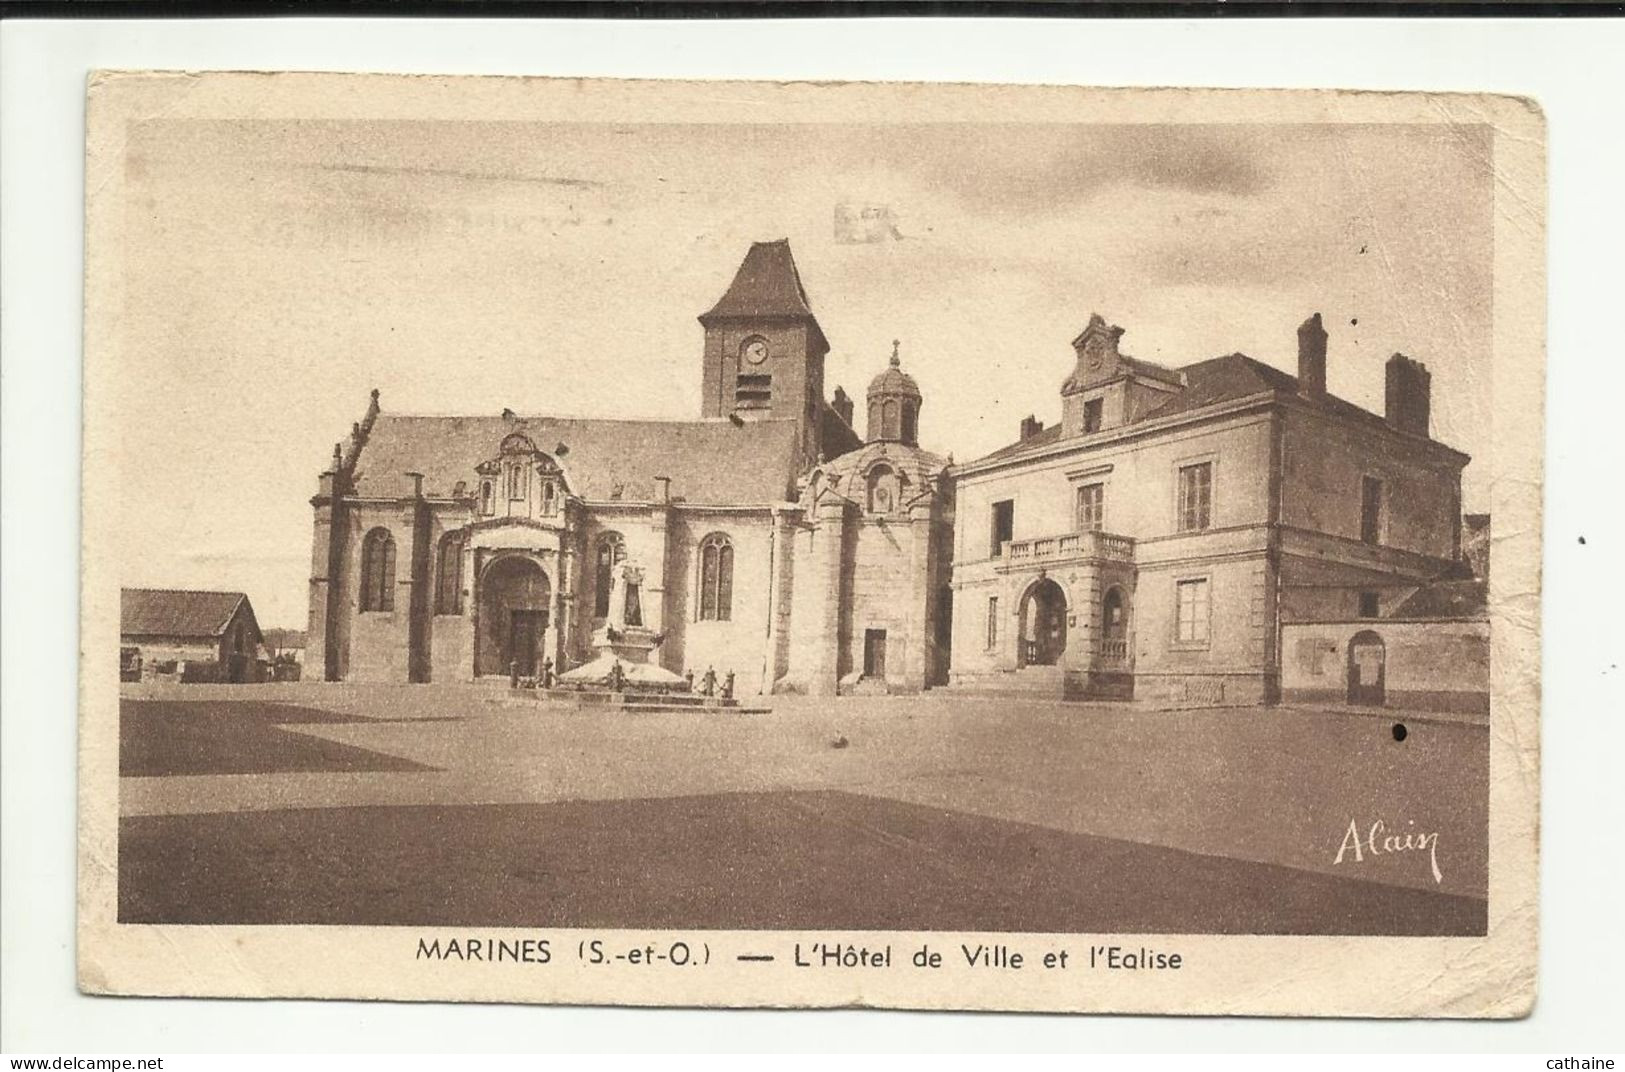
{"x":277,"y":271}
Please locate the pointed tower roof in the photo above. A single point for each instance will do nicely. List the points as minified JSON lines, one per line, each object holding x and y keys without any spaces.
{"x":767,"y":286}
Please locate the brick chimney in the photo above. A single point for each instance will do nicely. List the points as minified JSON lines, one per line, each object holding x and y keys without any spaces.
{"x":1408,"y":395}
{"x":1030,"y":426}
{"x":842,"y":404}
{"x":1311,"y":357}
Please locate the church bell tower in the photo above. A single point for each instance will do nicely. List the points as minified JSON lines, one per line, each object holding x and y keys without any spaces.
{"x":764,"y":350}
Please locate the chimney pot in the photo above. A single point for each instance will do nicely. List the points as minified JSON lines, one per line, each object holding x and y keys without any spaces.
{"x":1408,"y":396}
{"x":1311,"y":357}
{"x":1030,"y":426}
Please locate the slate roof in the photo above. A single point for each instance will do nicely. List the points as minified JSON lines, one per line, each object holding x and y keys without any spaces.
{"x":1446,"y":599}
{"x":1207,"y":383}
{"x":893,"y":381}
{"x":1237,"y":376}
{"x":710,"y":461}
{"x":177,"y":612}
{"x":766,"y":285}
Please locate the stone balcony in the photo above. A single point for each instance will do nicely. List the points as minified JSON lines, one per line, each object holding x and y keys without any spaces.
{"x":1066,"y":547}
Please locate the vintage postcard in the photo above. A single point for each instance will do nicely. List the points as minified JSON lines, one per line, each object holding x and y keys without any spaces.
{"x":731,"y":544}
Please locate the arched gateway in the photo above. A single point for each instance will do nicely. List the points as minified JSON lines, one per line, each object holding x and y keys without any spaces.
{"x":513,"y":601}
{"x":1043,"y":624}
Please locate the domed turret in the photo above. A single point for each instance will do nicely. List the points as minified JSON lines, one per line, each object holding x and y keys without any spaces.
{"x":894,"y":404}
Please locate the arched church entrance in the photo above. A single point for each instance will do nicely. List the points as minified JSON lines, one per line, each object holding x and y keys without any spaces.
{"x":1043,"y":624}
{"x":514,"y":597}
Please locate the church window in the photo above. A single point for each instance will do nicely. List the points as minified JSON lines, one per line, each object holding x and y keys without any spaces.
{"x":611,"y":553}
{"x":516,"y":481}
{"x":716,"y":578}
{"x":911,"y":417}
{"x":883,"y":490}
{"x":378,"y":571}
{"x":448,"y":593}
{"x":754,"y":391}
{"x":1091,"y":507}
{"x":550,"y":498}
{"x":488,"y":504}
{"x":888,"y":419}
{"x":1195,"y":496}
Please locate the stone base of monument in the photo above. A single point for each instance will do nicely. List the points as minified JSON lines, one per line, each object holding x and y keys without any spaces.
{"x":623,"y":676}
{"x":633,"y":700}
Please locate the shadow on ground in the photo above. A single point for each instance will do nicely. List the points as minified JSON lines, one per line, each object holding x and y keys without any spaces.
{"x":774,"y":860}
{"x":163,"y":737}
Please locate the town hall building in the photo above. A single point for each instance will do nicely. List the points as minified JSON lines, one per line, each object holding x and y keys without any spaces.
{"x":767,"y":539}
{"x":1155,"y":542}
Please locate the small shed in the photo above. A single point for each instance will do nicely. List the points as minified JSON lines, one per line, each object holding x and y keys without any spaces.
{"x":176,"y":634}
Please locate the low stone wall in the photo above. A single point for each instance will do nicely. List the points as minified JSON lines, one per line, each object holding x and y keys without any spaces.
{"x":1427,"y":665}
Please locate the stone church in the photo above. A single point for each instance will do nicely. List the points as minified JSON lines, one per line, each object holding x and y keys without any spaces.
{"x":766,"y":539}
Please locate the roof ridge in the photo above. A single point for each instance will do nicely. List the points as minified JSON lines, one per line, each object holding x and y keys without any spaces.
{"x":522,"y":417}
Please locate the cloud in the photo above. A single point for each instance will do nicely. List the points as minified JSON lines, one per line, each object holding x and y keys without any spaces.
{"x":1049,"y":169}
{"x":456,"y":173}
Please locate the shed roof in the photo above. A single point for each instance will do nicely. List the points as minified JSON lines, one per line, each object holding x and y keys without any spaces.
{"x":177,"y":612}
{"x":1446,"y":599}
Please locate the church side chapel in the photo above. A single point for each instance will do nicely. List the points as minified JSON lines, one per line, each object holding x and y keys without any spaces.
{"x":765,"y":545}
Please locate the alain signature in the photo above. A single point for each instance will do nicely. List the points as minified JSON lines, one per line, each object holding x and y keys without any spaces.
{"x":1378,"y":841}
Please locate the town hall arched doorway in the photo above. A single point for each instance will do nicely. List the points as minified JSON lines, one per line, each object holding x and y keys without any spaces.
{"x":514,"y":597}
{"x":1043,"y":624}
{"x":1114,"y":626}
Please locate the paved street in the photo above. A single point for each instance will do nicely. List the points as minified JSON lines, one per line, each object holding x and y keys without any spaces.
{"x":341,"y":804}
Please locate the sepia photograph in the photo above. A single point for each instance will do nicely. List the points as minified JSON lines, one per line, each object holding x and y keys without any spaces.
{"x":817,"y":527}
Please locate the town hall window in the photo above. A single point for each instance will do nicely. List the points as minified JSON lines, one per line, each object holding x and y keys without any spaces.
{"x":1370,"y":509}
{"x":611,"y":552}
{"x":1092,"y":411}
{"x":1370,"y":604}
{"x":1195,"y":496}
{"x":716,"y":578}
{"x":1191,"y":612}
{"x":378,"y":571}
{"x":448,"y":593}
{"x":1091,"y":507}
{"x":1004,"y":526}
